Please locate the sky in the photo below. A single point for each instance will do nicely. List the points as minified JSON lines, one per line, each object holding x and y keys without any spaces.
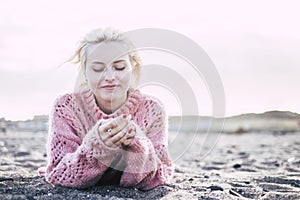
{"x":254,"y":45}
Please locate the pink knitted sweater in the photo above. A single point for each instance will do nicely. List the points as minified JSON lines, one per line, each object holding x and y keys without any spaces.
{"x":78,"y":158}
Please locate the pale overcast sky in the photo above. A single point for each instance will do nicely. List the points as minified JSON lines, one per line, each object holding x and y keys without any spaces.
{"x":255,"y":46}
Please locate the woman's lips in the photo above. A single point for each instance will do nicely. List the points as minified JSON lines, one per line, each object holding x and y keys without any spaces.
{"x":109,"y":87}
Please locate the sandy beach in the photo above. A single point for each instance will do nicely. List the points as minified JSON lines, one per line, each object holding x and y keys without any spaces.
{"x":257,"y":165}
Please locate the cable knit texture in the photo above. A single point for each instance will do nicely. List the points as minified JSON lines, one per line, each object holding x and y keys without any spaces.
{"x":77,"y":157}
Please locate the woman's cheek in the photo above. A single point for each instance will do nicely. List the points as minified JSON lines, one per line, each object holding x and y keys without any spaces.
{"x":91,"y":85}
{"x":93,"y":79}
{"x":127,"y":76}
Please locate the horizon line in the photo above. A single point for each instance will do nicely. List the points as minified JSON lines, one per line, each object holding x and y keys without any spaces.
{"x":31,"y":118}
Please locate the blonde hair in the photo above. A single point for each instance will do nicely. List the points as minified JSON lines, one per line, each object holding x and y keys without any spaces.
{"x":98,"y":36}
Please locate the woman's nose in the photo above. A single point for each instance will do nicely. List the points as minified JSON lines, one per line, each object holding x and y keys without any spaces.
{"x":109,"y":75}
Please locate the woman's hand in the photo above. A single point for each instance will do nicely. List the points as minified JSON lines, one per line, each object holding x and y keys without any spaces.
{"x":117,"y":131}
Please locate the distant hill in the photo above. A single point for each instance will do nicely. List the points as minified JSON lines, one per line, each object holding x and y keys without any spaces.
{"x":282,"y":121}
{"x":270,"y":114}
{"x":274,"y":121}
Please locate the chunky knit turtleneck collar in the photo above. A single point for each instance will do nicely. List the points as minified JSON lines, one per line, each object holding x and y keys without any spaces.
{"x":127,"y":107}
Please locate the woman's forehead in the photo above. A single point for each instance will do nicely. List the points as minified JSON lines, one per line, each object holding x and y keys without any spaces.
{"x":107,"y":52}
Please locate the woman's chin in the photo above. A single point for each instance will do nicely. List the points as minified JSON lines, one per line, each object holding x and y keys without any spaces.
{"x":108,"y":96}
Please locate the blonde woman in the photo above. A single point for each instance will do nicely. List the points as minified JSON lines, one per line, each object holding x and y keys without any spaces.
{"x":107,"y":132}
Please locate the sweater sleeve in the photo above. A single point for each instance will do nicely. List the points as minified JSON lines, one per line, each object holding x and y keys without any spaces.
{"x":147,"y":162}
{"x":72,"y":161}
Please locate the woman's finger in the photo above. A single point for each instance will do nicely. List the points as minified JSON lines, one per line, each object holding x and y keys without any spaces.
{"x":105,"y":130}
{"x":110,"y":144}
{"x":120,"y":123}
{"x":131,"y":131}
{"x":113,"y":130}
{"x":128,"y":136}
{"x":127,"y":141}
{"x":120,"y":134}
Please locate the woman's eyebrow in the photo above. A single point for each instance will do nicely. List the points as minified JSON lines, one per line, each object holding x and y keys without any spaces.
{"x":97,"y":62}
{"x":117,"y":61}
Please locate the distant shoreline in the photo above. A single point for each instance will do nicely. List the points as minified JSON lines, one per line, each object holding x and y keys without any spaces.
{"x":272,"y":121}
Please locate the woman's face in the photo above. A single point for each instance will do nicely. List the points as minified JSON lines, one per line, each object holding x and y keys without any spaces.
{"x":109,"y":71}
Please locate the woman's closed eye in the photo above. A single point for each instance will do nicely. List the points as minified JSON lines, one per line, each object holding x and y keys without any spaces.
{"x":120,"y":65}
{"x":98,"y":68}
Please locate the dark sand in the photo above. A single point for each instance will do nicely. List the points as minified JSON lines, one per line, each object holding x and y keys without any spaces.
{"x":240,"y":166}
